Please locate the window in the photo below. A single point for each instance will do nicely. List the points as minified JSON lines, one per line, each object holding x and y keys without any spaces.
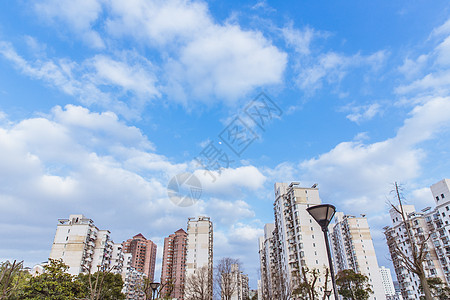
{"x":447,"y":208}
{"x":437,"y":198}
{"x":442,"y":196}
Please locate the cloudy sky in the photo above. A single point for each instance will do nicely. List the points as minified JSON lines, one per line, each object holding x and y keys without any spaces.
{"x":102,"y":102}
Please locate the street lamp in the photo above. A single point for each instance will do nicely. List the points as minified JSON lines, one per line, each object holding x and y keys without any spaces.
{"x":154,"y":286}
{"x":323,"y":214}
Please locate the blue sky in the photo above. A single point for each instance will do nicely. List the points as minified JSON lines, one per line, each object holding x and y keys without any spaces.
{"x":102,"y":102}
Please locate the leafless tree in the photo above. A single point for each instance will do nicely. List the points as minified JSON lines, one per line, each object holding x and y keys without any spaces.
{"x":412,"y":261}
{"x":197,"y":286}
{"x":9,"y":277}
{"x":227,"y":272}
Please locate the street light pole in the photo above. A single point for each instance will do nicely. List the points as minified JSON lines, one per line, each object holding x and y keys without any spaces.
{"x":330,"y":263}
{"x":323,"y":214}
{"x":154,"y":286}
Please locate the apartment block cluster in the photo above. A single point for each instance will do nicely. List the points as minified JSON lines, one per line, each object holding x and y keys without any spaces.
{"x":294,"y":246}
{"x":86,"y":249}
{"x":429,"y":227}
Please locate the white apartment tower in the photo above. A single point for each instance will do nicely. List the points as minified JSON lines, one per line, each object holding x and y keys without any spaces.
{"x":388,"y":284}
{"x":82,"y":246}
{"x":298,"y":239}
{"x":199,"y":248}
{"x":429,"y":223}
{"x":239,"y":281}
{"x":269,"y":265}
{"x":353,"y":249}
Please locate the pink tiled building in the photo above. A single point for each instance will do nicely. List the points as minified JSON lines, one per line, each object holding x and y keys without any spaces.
{"x":174,"y":265}
{"x":143,"y":254}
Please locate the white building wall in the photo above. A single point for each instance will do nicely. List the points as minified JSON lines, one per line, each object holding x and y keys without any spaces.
{"x":386,"y":279}
{"x":353,"y":249}
{"x":302,"y":240}
{"x":199,"y":246}
{"x":81,"y":245}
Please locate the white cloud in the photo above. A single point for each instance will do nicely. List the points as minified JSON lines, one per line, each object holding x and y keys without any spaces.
{"x":372,"y":167}
{"x":160,"y":23}
{"x":332,"y":67}
{"x":94,"y":86}
{"x":135,"y":78}
{"x":77,"y":161}
{"x":79,"y":16}
{"x":225,"y":61}
{"x":231,"y":181}
{"x":300,"y":40}
{"x":431,"y":70}
{"x":363,"y":113}
{"x":228,"y":212}
{"x":412,"y":68}
{"x":203,"y":60}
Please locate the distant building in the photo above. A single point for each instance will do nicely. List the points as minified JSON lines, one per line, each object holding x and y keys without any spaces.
{"x":432,"y":225}
{"x":200,"y":248}
{"x":269,"y":263}
{"x":143,"y":254}
{"x":81,"y":245}
{"x":133,"y":279}
{"x":174,"y":265}
{"x":238,"y":283}
{"x":353,"y":249}
{"x":388,"y":284}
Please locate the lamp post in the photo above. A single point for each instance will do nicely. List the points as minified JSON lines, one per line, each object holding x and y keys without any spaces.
{"x":154,"y":286}
{"x":323,"y":214}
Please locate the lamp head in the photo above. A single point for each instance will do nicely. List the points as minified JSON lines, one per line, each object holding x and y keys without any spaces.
{"x":323,"y":214}
{"x":154,"y":285}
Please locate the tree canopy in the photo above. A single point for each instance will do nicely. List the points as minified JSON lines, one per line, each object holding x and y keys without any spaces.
{"x":353,"y":286}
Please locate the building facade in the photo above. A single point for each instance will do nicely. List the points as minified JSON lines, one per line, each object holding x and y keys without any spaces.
{"x":388,"y":284}
{"x":199,"y":249}
{"x":143,"y":253}
{"x":174,"y":265}
{"x":298,"y":244}
{"x":82,"y":246}
{"x":353,"y":249}
{"x":429,"y":226}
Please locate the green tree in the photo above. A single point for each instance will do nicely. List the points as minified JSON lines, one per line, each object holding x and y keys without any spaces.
{"x":353,"y":286}
{"x":101,"y":285}
{"x":53,"y":284}
{"x":439,"y":289}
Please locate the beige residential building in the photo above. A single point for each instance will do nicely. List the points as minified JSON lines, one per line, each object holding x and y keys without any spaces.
{"x":388,"y":284}
{"x":353,"y":249}
{"x":81,"y":245}
{"x":422,"y":226}
{"x":199,"y":248}
{"x":298,"y":239}
{"x":432,"y":225}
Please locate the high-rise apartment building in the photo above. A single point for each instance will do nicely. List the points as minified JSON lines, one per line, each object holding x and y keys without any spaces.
{"x":174,"y":265}
{"x":388,"y":284}
{"x":81,"y":245}
{"x":353,"y":249}
{"x":430,"y":226}
{"x":269,"y":263}
{"x":298,"y":240}
{"x":143,"y":253}
{"x":237,"y":284}
{"x":199,"y":247}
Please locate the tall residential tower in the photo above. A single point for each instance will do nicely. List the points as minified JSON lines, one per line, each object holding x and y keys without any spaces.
{"x":200,"y":249}
{"x":174,"y":265}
